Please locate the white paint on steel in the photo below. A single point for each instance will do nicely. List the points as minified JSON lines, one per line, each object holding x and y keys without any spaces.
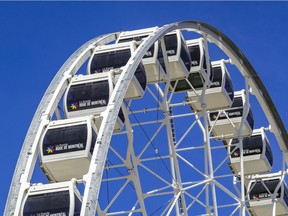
{"x":48,"y":104}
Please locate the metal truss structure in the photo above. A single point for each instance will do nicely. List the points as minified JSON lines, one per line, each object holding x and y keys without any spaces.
{"x":166,"y":161}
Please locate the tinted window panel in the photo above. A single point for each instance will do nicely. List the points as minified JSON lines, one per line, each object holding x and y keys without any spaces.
{"x":268,"y":153}
{"x":47,"y":204}
{"x":205,"y":63}
{"x":195,"y":55}
{"x":121,"y":115}
{"x":161,"y":59}
{"x":232,"y":113}
{"x":211,"y":72}
{"x":217,"y":77}
{"x":250,"y":119}
{"x":195,"y":80}
{"x":285,"y":197}
{"x":269,"y":156}
{"x":182,"y":85}
{"x":251,"y":146}
{"x":161,"y":62}
{"x":171,"y":44}
{"x":185,"y":56}
{"x":229,"y":88}
{"x":254,"y":141}
{"x":103,"y":62}
{"x":138,"y":38}
{"x":260,"y":192}
{"x":237,"y":102}
{"x":66,"y":139}
{"x":93,"y":141}
{"x":140,"y":74}
{"x":149,"y":53}
{"x":78,"y":204}
{"x":87,"y":96}
{"x":205,"y":67}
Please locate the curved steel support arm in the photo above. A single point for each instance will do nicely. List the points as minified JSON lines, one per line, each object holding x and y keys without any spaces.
{"x":48,"y":104}
{"x":44,"y":112}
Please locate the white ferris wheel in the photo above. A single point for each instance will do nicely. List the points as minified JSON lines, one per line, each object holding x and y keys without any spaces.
{"x":169,"y":120}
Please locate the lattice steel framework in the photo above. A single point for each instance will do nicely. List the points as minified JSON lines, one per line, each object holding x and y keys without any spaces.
{"x":182,"y":200}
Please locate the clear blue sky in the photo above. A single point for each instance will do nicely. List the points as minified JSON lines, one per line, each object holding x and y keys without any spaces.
{"x":36,"y":38}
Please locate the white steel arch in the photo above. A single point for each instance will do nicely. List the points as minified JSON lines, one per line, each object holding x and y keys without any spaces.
{"x":48,"y":104}
{"x":93,"y":179}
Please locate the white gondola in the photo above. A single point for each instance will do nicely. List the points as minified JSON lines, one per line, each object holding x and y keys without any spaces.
{"x":257,"y":154}
{"x":261,"y":190}
{"x":219,"y":95}
{"x":197,"y":52}
{"x":198,"y":71}
{"x":226,"y":123}
{"x":59,"y":199}
{"x":66,"y":148}
{"x":178,"y":55}
{"x":111,"y":58}
{"x":154,"y":66}
{"x":89,"y":95}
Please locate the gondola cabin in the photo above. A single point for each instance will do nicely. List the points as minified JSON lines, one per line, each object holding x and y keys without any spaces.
{"x":219,"y":95}
{"x":261,"y":192}
{"x":199,"y":63}
{"x":226,"y":123}
{"x":111,"y":58}
{"x":179,"y":60}
{"x":199,"y":68}
{"x":257,"y":154}
{"x":89,"y":95}
{"x":154,"y":66}
{"x":52,"y":199}
{"x":66,"y":148}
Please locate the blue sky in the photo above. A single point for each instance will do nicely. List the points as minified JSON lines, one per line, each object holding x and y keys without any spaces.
{"x":36,"y":38}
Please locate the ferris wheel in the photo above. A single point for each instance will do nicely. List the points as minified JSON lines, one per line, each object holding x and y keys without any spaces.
{"x":169,"y":120}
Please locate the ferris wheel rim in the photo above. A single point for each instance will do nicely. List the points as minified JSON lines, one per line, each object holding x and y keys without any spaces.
{"x":204,"y":28}
{"x":69,"y":66}
{"x":135,"y":60}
